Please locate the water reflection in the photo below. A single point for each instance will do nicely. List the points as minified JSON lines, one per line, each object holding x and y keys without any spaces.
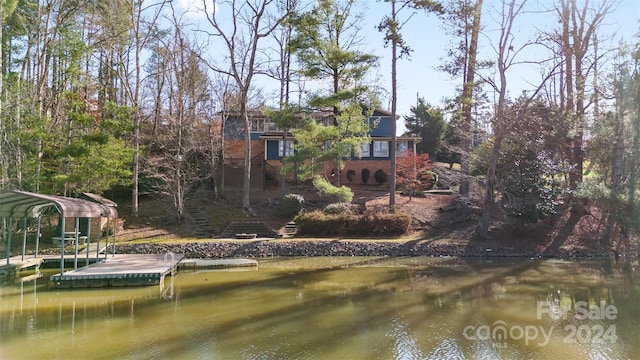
{"x":319,"y":308}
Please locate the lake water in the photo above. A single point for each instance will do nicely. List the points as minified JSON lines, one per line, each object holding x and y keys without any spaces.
{"x":339,"y":308}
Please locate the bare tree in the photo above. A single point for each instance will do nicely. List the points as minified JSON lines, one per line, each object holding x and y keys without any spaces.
{"x":467,"y":99}
{"x":181,"y":151}
{"x":579,"y":26}
{"x":250,"y":23}
{"x":283,"y":73}
{"x":463,"y":20}
{"x":507,"y":51}
{"x":132,"y":78}
{"x":3,"y":165}
{"x":225,"y":101}
{"x":392,"y":27}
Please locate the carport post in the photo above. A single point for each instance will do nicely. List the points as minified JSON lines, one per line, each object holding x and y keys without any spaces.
{"x":77,"y":240}
{"x":24,"y":239}
{"x":115,"y":221}
{"x":88,"y":239}
{"x":38,"y":235}
{"x":61,"y":243}
{"x":9,"y":239}
{"x":106,"y":250}
{"x":4,"y":236}
{"x":99,"y":237}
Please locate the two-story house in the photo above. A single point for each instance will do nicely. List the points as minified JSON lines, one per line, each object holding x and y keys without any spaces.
{"x":268,"y":149}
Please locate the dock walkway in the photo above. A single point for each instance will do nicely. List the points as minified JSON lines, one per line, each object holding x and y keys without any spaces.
{"x":121,"y":270}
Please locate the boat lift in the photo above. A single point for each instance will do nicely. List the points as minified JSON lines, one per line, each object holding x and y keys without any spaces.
{"x":24,"y":205}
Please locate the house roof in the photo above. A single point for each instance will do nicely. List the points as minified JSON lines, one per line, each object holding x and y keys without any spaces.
{"x":15,"y":203}
{"x":276,"y":135}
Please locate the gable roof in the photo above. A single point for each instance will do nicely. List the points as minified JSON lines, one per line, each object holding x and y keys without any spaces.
{"x":15,"y":203}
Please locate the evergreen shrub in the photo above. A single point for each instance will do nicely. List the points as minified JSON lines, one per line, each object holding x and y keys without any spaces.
{"x":365,"y":174}
{"x":290,"y":204}
{"x":380,"y":176}
{"x":318,"y":223}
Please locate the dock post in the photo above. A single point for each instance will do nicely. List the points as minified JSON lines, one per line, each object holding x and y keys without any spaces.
{"x":173,"y":257}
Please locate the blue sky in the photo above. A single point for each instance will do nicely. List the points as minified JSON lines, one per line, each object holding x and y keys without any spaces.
{"x":419,"y":76}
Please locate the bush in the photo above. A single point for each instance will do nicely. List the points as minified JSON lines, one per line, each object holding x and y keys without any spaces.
{"x":351,"y":174}
{"x":290,"y":205}
{"x":365,"y":174}
{"x":528,"y":194}
{"x":341,"y":209}
{"x":380,"y":176}
{"x":428,"y":179}
{"x":318,"y":223}
{"x":413,"y":173}
{"x":343,"y":193}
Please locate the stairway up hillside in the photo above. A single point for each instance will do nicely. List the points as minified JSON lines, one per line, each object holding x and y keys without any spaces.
{"x":200,"y":213}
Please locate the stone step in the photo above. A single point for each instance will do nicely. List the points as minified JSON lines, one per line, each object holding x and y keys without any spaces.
{"x":290,"y":228}
{"x":248,"y":227}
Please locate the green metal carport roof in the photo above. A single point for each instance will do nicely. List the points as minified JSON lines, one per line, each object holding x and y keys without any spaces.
{"x":15,"y":203}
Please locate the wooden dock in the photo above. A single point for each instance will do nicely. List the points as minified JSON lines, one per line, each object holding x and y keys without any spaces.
{"x":118,"y":271}
{"x":19,"y":262}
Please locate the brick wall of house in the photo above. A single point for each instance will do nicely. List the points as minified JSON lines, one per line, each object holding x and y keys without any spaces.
{"x":356,"y":165}
{"x":235,"y":148}
{"x":234,"y":164}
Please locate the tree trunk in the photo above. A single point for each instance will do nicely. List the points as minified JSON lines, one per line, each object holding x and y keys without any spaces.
{"x":136,"y":101}
{"x":568,"y":105}
{"x":394,"y":101}
{"x":3,"y":164}
{"x":616,"y":172}
{"x":467,"y":105}
{"x":635,"y":154}
{"x":503,"y":63}
{"x":246,"y":185}
{"x":283,"y":175}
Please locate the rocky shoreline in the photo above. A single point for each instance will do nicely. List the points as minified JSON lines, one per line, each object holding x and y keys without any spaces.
{"x":298,"y":248}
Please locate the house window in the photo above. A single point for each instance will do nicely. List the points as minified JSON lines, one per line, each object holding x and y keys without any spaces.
{"x":366,"y":150}
{"x":261,"y":125}
{"x":401,"y":148}
{"x":281,"y":148}
{"x":380,"y":148}
{"x":270,"y":126}
{"x":327,"y":121}
{"x":256,"y":125}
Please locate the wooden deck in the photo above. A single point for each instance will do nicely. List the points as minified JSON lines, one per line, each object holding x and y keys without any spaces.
{"x":121,"y":270}
{"x":18,"y":262}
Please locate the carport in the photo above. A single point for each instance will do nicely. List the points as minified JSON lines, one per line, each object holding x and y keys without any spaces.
{"x":21,"y":205}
